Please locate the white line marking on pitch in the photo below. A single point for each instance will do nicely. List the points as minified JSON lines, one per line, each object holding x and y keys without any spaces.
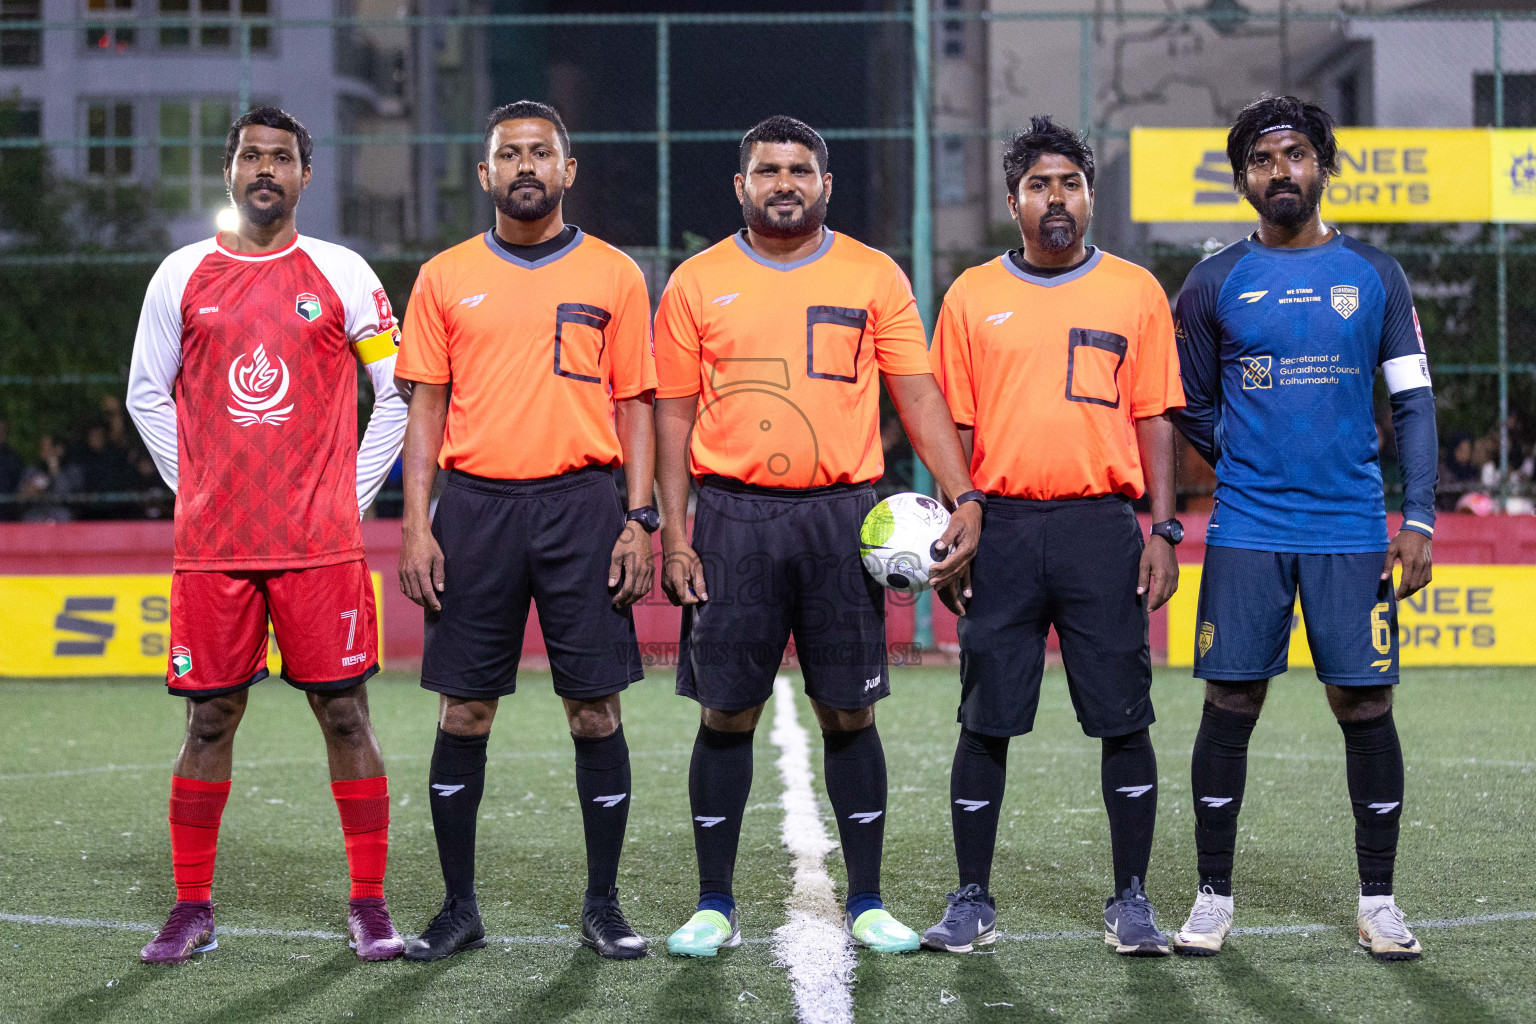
{"x":811,"y":942}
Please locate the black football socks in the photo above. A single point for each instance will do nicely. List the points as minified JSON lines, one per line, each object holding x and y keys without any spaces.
{"x":1218,"y":774}
{"x":457,"y":779}
{"x":854,"y":764}
{"x":719,"y":781}
{"x":1128,"y":773}
{"x":602,"y":786}
{"x":1373,"y":760}
{"x":976,"y":783}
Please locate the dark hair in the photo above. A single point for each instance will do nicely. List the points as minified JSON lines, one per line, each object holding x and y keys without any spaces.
{"x":1272,"y":112}
{"x":1044,"y":136}
{"x":783,"y":128}
{"x":268,"y":117}
{"x":523,"y":109}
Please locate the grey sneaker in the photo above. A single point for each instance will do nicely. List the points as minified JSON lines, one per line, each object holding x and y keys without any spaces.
{"x":1130,"y":924}
{"x":969,"y":921}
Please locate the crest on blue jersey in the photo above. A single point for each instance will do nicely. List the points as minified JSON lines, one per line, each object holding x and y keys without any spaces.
{"x":1346,"y":299}
{"x":1256,"y":373}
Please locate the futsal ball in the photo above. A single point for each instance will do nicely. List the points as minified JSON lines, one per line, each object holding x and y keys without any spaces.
{"x":897,"y":538}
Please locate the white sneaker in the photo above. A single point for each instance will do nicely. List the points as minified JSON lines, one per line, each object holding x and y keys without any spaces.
{"x":1210,"y":919}
{"x":1383,"y":930}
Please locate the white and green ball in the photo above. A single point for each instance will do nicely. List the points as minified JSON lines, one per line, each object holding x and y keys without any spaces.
{"x":897,"y":538}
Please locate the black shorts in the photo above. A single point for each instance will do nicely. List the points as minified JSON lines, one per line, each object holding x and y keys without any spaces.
{"x":1071,"y":564}
{"x":1247,"y":615}
{"x":777,"y":563}
{"x":508,"y":541}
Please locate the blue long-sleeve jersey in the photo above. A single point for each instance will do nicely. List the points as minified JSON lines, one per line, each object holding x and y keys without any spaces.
{"x":1278,"y":349}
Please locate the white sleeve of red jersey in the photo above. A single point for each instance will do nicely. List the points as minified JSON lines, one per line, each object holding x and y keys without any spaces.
{"x":375,"y":337}
{"x":157,"y":358}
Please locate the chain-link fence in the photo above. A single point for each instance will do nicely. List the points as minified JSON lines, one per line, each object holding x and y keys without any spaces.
{"x":113,"y":114}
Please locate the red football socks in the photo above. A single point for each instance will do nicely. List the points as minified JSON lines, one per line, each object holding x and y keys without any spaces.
{"x":196,"y":807}
{"x":364,"y":808}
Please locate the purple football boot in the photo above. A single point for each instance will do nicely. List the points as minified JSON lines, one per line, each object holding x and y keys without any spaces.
{"x":188,"y":930}
{"x":371,"y":932}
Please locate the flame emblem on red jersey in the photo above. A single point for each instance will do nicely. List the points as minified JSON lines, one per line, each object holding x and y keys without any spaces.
{"x":258,"y":388}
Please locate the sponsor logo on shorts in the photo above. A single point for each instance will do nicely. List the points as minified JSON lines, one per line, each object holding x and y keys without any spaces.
{"x":181,"y":661}
{"x":1207,"y":638}
{"x":870,"y":684}
{"x":354,"y":659}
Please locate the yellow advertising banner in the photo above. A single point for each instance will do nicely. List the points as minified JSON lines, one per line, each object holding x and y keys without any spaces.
{"x":1469,"y":615}
{"x":60,"y":626}
{"x":1386,"y":175}
{"x":1514,"y":176}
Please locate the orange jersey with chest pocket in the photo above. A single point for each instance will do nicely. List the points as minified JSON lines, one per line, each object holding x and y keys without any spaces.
{"x":786,"y":358}
{"x":1053,"y":372}
{"x":536,"y":353}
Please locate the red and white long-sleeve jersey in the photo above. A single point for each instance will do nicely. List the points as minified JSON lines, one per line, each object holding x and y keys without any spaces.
{"x":244,"y":388}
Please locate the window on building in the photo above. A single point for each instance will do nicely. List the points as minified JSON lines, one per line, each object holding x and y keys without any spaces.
{"x":1519,"y":101}
{"x":109,"y":34}
{"x":192,"y":153}
{"x":107,"y":120}
{"x":21,"y":47}
{"x":209,"y":23}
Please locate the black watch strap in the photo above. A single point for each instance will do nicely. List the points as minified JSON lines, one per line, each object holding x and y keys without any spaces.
{"x":979,"y":497}
{"x":1170,"y":530}
{"x":647,"y":516}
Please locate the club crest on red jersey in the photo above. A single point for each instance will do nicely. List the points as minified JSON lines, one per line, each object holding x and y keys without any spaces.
{"x":308,"y":306}
{"x":258,"y":388}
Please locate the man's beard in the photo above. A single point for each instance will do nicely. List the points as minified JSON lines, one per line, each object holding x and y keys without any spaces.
{"x":1286,"y":205}
{"x":265,"y":216}
{"x":544,"y":202}
{"x":808,"y":222}
{"x":1057,"y":237}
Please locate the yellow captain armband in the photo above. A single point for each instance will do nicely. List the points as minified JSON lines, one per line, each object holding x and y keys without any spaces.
{"x":380,"y":346}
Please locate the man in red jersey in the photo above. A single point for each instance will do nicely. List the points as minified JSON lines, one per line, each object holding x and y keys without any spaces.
{"x":244,"y":388}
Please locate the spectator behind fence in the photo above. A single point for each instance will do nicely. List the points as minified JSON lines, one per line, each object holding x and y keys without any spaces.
{"x":105,"y":468}
{"x":12,"y":468}
{"x":50,"y":478}
{"x":1459,"y":473}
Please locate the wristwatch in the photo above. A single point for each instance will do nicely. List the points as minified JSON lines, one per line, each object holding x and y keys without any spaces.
{"x":1171,"y":530}
{"x":979,"y":497}
{"x":647,"y":516}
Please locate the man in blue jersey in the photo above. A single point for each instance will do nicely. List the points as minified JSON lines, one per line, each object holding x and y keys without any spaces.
{"x":1280,"y":336}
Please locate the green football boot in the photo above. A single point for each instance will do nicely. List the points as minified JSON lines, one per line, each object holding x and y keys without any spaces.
{"x":881,"y":932}
{"x":706,"y":933}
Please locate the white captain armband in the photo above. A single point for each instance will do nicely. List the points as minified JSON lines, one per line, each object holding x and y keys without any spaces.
{"x":1406,"y":373}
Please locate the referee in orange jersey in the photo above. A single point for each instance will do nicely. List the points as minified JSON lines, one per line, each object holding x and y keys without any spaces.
{"x":1059,"y":365}
{"x":529,"y":351}
{"x":770,"y":349}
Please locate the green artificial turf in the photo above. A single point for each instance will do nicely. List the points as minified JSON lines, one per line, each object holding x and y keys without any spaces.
{"x":84,"y":779}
